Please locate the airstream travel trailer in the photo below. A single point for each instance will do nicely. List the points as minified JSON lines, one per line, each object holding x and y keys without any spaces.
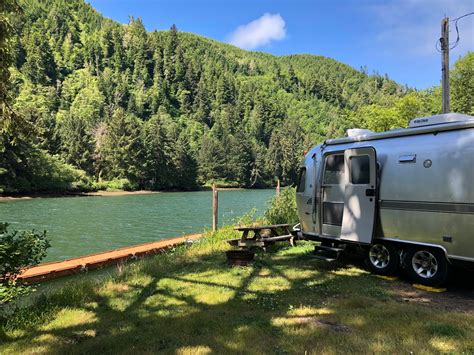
{"x":404,"y":197}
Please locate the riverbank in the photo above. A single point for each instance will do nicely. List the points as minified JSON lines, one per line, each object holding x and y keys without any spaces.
{"x":52,"y":270}
{"x":104,"y":193}
{"x":285,"y":302}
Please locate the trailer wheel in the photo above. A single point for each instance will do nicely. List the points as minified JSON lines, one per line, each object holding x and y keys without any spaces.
{"x":383,"y":259}
{"x":427,"y":266}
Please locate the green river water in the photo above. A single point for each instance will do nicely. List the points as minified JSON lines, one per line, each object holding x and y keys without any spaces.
{"x":83,"y":225}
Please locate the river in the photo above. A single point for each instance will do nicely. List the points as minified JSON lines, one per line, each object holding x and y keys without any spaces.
{"x":83,"y":225}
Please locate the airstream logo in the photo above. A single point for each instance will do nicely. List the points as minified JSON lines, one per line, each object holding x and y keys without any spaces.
{"x":420,"y":120}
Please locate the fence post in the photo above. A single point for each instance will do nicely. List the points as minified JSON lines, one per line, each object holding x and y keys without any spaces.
{"x":215,"y":207}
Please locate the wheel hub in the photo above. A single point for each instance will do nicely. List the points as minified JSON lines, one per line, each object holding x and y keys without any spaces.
{"x":379,"y":256}
{"x":424,"y":264}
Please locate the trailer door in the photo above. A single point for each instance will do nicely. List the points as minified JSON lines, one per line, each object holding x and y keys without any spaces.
{"x":359,"y":197}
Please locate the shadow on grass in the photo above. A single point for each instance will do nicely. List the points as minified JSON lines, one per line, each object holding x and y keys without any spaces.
{"x":285,"y":302}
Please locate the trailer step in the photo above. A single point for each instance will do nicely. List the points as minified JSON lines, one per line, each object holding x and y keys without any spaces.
{"x":322,"y":257}
{"x":326,"y":252}
{"x":328,"y":248}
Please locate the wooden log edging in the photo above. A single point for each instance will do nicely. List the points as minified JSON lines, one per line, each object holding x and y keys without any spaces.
{"x":56,"y":269}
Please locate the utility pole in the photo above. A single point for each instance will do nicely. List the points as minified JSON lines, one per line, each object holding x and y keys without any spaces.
{"x":444,"y":41}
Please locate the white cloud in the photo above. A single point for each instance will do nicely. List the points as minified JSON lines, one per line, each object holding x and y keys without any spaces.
{"x":413,"y":26}
{"x":268,"y":28}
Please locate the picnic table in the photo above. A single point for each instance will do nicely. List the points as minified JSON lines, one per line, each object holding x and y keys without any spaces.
{"x":262,"y":236}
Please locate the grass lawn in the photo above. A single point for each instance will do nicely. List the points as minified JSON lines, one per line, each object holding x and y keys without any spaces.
{"x":190,"y":301}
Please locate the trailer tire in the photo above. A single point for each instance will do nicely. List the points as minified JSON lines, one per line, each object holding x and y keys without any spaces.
{"x":383,"y":259}
{"x":427,"y":266}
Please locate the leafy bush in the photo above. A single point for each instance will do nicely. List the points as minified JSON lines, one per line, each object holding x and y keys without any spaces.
{"x":42,"y":173}
{"x":223,"y":183}
{"x":282,"y":207}
{"x":18,"y":249}
{"x":246,"y":219}
{"x":115,"y":185}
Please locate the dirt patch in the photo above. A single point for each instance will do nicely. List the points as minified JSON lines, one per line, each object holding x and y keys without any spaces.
{"x":458,"y":300}
{"x":79,"y":337}
{"x":459,"y":296}
{"x":322,"y":323}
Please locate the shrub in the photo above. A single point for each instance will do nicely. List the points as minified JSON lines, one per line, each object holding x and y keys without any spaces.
{"x":115,"y":185}
{"x":43,"y":173}
{"x":17,"y":251}
{"x":282,"y":207}
{"x":223,"y":183}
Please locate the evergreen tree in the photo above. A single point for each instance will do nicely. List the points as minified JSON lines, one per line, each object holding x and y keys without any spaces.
{"x":8,"y":10}
{"x":39,"y":67}
{"x":122,"y":148}
{"x":170,"y":56}
{"x":202,"y":103}
{"x":36,"y":104}
{"x":77,"y":144}
{"x":239,"y":163}
{"x":285,"y":152}
{"x":184,"y":165}
{"x":157,"y":153}
{"x":211,"y":159}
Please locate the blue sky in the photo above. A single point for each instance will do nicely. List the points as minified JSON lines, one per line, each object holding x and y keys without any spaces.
{"x":396,"y":37}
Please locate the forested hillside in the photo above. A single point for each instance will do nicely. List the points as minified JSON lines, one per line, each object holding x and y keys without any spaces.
{"x":101,"y":104}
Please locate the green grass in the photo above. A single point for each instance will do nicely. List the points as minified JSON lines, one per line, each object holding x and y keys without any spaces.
{"x":189,"y":301}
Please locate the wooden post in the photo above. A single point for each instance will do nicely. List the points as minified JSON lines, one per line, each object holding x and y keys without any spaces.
{"x":444,"y":40}
{"x":215,"y":208}
{"x":278,"y":187}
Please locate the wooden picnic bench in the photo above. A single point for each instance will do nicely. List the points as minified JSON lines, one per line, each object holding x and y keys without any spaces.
{"x":254,"y":236}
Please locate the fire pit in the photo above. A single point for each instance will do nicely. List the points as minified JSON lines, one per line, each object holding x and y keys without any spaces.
{"x":239,"y":257}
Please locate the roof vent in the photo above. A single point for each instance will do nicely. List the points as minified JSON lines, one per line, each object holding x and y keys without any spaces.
{"x":440,"y":119}
{"x":357,"y":132}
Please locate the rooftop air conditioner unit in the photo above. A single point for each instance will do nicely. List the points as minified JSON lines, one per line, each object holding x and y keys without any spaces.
{"x":439,"y":119}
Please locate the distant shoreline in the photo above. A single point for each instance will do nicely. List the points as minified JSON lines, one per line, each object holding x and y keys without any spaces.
{"x":74,"y":194}
{"x":119,"y":193}
{"x":5,"y":198}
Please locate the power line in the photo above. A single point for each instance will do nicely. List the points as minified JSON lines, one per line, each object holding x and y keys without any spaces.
{"x":439,"y":45}
{"x":457,"y":29}
{"x":460,"y":17}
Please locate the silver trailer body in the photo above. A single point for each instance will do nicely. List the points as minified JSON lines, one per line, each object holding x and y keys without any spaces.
{"x":413,"y":186}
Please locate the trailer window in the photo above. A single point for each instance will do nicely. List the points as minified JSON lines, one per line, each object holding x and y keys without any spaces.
{"x":360,"y":169}
{"x":334,"y":170}
{"x":301,"y":180}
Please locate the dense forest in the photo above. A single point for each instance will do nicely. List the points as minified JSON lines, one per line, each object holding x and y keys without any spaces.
{"x":88,"y":103}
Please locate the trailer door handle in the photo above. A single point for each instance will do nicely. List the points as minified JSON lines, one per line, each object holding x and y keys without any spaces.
{"x":370,"y":192}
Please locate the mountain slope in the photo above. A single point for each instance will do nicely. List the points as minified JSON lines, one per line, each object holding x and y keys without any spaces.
{"x":168,"y":109}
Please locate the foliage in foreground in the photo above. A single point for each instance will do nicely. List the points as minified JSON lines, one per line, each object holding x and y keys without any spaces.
{"x":189,"y":301}
{"x":282,"y":207}
{"x":18,"y":249}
